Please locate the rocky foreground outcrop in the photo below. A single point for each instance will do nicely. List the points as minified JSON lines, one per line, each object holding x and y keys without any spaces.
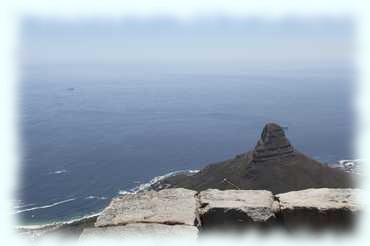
{"x":235,"y":209}
{"x":317,"y":208}
{"x":152,"y":230}
{"x":182,"y":212}
{"x":170,"y":207}
{"x":274,"y":165}
{"x":167,"y":213}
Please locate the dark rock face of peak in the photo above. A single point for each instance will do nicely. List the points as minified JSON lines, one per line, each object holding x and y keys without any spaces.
{"x":272,"y":132}
{"x":272,"y":145}
{"x":274,"y":164}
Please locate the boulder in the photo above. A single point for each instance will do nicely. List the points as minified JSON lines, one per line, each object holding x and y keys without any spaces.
{"x":235,"y":208}
{"x":169,"y":206}
{"x":319,"y":208}
{"x":140,"y":230}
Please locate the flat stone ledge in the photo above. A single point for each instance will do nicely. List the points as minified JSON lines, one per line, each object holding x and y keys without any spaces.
{"x":169,"y":206}
{"x":140,"y":230}
{"x":318,"y":208}
{"x":235,"y":208}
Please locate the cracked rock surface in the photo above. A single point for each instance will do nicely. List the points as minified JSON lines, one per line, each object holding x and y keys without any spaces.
{"x":177,"y":212}
{"x":140,"y":230}
{"x":317,"y":208}
{"x":169,"y":206}
{"x":235,"y":208}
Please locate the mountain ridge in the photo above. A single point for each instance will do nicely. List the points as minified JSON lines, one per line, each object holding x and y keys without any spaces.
{"x":274,"y":164}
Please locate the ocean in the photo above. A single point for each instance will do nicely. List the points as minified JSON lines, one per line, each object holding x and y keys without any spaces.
{"x":86,"y":138}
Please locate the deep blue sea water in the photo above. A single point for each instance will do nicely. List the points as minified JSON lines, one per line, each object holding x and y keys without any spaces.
{"x":85,"y":138}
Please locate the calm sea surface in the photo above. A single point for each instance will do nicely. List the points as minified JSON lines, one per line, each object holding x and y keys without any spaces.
{"x":86,"y":138}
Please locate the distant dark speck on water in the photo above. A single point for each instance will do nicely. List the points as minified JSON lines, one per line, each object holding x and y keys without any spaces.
{"x":71,"y":89}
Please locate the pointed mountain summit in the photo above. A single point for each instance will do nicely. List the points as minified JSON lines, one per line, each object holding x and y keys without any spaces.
{"x":272,"y":145}
{"x":274,"y":165}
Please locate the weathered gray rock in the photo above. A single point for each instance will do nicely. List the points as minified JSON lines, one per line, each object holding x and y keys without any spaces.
{"x":172,"y":212}
{"x":318,"y":208}
{"x":169,"y":206}
{"x":235,"y":208}
{"x":140,"y":230}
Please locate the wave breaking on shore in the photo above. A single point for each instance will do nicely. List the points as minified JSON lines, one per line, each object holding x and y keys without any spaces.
{"x":54,"y":225}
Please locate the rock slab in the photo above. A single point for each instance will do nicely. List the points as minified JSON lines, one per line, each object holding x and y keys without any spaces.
{"x":140,"y":230}
{"x":169,"y":206}
{"x":318,"y":208}
{"x":235,"y":208}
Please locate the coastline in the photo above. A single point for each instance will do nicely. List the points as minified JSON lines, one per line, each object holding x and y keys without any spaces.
{"x":342,"y":164}
{"x":74,"y":226}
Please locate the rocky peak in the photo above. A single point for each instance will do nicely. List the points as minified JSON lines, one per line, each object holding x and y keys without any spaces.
{"x":272,"y":145}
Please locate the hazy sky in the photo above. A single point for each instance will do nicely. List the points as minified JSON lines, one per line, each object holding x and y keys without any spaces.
{"x":202,"y":42}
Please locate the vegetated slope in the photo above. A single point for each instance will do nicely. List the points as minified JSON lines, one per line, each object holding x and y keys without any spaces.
{"x":274,"y":165}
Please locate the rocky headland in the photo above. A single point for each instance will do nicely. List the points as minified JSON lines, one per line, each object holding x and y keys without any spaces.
{"x":274,"y":164}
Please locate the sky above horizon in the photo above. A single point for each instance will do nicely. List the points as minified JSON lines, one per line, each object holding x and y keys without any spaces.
{"x":207,"y":43}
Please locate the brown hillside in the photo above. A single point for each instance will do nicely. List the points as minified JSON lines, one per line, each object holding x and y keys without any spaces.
{"x":274,"y":164}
